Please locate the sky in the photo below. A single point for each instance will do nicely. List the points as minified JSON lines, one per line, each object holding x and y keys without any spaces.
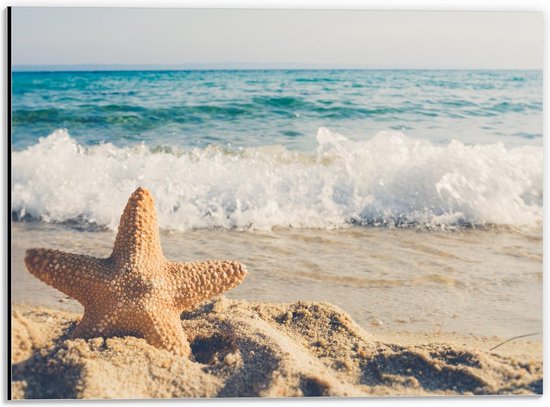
{"x":210,"y":38}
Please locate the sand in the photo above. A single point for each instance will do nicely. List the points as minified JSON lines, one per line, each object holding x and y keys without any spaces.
{"x":250,"y":349}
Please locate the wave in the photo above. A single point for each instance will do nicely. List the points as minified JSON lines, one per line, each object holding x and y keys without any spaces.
{"x":143,"y":118}
{"x":388,"y":180}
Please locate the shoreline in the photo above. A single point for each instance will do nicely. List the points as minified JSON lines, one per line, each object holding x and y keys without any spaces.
{"x":244,"y":349}
{"x":404,"y":279}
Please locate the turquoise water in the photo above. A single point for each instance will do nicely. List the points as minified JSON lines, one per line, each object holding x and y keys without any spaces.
{"x":256,"y":108}
{"x":264,"y":149}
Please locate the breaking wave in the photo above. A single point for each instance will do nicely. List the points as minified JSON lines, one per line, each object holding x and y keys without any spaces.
{"x":388,"y":180}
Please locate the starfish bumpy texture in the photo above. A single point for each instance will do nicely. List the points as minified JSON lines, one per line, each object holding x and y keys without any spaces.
{"x":135,"y":291}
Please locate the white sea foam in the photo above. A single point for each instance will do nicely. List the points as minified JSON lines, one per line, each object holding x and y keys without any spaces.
{"x":387,"y":180}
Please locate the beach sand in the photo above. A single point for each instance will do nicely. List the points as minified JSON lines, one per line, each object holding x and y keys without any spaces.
{"x":249,"y":349}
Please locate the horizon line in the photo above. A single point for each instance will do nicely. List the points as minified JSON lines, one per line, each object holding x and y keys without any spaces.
{"x":225,"y":67}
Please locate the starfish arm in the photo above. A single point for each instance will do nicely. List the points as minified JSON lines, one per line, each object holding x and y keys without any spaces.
{"x":100,"y":319}
{"x":138,"y":233}
{"x":199,"y":281}
{"x":88,"y":326}
{"x":166,"y":333}
{"x":73,"y":274}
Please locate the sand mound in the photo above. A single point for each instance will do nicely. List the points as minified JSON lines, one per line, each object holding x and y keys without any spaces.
{"x":252,"y":349}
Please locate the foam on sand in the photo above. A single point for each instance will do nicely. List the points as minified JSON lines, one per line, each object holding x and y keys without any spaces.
{"x":252,"y":349}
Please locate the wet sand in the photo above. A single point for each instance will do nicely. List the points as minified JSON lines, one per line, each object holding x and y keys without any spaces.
{"x":480,"y":282}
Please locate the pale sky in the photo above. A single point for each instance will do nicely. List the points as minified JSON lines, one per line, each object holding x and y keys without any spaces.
{"x":277,"y":38}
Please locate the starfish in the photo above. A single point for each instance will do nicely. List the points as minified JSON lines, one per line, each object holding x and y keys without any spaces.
{"x":135,"y":291}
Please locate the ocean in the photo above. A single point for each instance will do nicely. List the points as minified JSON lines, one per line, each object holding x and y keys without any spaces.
{"x":411,"y":199}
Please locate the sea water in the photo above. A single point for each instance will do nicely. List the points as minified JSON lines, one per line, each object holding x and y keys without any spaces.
{"x":408,"y":198}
